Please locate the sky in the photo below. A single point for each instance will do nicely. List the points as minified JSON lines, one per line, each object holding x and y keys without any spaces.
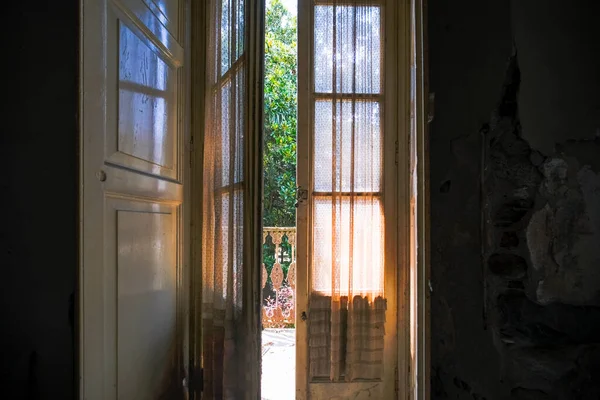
{"x":291,"y":5}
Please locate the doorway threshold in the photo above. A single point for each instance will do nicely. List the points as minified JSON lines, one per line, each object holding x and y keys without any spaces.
{"x":278,"y":364}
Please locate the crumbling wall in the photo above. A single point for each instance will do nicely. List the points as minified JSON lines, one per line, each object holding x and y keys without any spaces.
{"x":515,"y":200}
{"x":541,"y":236}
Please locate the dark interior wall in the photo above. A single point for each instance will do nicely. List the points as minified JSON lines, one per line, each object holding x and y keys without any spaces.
{"x":38,"y":242}
{"x":515,"y":197}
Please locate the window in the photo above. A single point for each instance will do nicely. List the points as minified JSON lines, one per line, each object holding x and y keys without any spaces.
{"x":347,"y":102}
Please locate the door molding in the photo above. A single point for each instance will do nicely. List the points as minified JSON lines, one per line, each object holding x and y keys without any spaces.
{"x":199,"y":31}
{"x":414,"y":285}
{"x":420,"y":264}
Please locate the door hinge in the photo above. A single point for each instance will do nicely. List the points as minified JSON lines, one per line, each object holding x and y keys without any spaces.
{"x":396,"y":381}
{"x":196,"y":380}
{"x":396,"y":152}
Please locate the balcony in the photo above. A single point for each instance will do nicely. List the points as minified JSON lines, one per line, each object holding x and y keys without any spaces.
{"x":278,"y":313}
{"x":279,"y":277}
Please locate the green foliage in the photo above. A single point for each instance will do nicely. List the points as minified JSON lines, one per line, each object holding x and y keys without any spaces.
{"x":269,"y":255}
{"x":280,"y":89}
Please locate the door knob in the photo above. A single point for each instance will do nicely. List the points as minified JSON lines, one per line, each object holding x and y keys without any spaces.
{"x":101,"y":175}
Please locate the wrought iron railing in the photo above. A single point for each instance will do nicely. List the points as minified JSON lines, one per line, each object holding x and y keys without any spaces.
{"x":279,"y":277}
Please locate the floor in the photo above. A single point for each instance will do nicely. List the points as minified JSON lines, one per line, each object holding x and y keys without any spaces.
{"x":278,"y":364}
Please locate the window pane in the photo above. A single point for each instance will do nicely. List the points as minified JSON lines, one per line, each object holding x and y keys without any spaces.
{"x":333,"y":254}
{"x":239,"y":29}
{"x":225,"y":35}
{"x":232,"y":129}
{"x":146,"y":97}
{"x":353,"y":150}
{"x":354,"y":36}
{"x":225,"y":152}
{"x":232,"y":32}
{"x":224,"y":275}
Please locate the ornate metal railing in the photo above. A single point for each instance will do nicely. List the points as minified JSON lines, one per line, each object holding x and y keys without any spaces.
{"x":279,"y":277}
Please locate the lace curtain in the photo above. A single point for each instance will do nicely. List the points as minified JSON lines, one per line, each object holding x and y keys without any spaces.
{"x":231,"y":231}
{"x":347,"y":305}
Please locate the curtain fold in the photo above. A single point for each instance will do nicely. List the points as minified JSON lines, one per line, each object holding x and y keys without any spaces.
{"x":232,"y":231}
{"x":347,"y":304}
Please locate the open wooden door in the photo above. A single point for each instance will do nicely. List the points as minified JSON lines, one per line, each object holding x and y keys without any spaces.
{"x":134,"y":270}
{"x":346,"y":220}
{"x":228,"y":44}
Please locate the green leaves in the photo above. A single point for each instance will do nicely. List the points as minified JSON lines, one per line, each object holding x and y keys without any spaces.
{"x":280,"y":92}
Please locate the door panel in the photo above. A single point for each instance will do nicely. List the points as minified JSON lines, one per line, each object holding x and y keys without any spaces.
{"x":347,"y":135}
{"x":133,"y":281}
{"x":146,"y":296}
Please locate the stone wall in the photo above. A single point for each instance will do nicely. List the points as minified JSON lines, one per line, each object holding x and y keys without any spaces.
{"x":515,"y":200}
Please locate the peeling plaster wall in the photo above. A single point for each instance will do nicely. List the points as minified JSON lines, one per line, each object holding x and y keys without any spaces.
{"x":515,"y":151}
{"x":38,"y":186}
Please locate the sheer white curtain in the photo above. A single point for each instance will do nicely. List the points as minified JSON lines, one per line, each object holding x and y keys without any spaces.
{"x":231,"y":230}
{"x":347,"y":304}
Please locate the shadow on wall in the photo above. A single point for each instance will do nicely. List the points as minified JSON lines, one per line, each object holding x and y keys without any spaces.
{"x":516,"y":284}
{"x":38,"y":229}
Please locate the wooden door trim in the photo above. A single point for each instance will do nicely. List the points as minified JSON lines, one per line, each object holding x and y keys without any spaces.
{"x":402,"y":43}
{"x":305,"y":61}
{"x":414,"y":315}
{"x":199,"y":29}
{"x":420,"y":264}
{"x":92,"y":125}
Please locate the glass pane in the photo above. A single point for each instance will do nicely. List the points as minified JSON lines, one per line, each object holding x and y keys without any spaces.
{"x":232,"y":32}
{"x":146,"y":100}
{"x":347,"y":49}
{"x":239,"y":118}
{"x":232,"y":129}
{"x":224,"y":276}
{"x":240,"y":29}
{"x":353,"y":150}
{"x":225,"y":35}
{"x":348,"y":246}
{"x":225,"y":152}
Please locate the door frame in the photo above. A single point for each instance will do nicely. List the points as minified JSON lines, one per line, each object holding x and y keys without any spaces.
{"x":412,"y":377}
{"x":406,"y":43}
{"x":199,"y":29}
{"x":419,"y":284}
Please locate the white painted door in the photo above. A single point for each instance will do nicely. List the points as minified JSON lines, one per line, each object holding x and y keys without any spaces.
{"x":348,"y":121}
{"x":134,"y":269}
